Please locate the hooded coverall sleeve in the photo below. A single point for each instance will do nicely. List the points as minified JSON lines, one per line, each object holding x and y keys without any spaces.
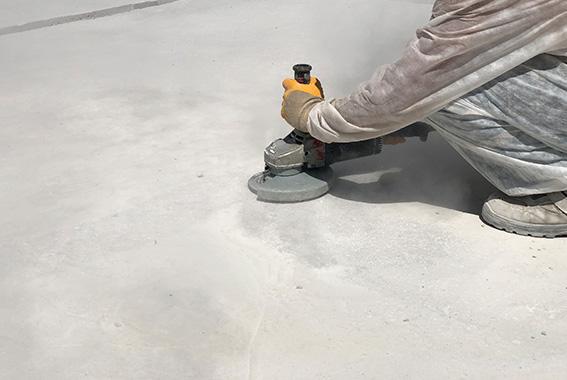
{"x":467,"y":44}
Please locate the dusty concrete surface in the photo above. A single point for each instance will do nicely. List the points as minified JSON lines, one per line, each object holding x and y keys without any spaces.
{"x":23,"y":11}
{"x":130,"y":247}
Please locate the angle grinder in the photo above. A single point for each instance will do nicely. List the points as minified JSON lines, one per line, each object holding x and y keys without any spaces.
{"x":298,"y":166}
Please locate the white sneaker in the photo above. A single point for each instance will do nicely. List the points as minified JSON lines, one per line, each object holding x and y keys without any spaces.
{"x":536,"y":215}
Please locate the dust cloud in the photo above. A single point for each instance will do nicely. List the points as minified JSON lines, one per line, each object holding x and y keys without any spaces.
{"x":346,"y":45}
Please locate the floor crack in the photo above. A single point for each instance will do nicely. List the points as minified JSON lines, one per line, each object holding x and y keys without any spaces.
{"x":253,"y":339}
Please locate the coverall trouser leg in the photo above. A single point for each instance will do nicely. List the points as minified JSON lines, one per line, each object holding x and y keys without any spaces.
{"x":513,"y":130}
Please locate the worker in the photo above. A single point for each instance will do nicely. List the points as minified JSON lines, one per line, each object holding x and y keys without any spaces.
{"x":491,"y":77}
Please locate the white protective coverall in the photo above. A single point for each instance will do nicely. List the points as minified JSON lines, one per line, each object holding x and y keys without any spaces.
{"x":490,"y":76}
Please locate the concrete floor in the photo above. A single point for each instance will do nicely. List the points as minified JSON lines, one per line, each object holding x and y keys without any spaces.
{"x":23,"y":11}
{"x":130,"y":247}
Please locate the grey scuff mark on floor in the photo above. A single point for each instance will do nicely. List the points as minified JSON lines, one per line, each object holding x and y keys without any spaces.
{"x":82,"y":16}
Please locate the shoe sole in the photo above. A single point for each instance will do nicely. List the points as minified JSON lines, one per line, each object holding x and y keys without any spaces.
{"x":520,"y":228}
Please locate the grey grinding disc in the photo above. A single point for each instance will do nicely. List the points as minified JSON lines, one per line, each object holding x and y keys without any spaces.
{"x":302,"y":187}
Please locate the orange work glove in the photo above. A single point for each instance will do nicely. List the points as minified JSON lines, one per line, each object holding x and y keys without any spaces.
{"x":298,"y":100}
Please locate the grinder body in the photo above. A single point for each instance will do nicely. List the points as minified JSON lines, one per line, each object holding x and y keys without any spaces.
{"x":298,"y":166}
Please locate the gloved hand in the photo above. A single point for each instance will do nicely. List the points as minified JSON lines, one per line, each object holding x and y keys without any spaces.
{"x":298,"y":100}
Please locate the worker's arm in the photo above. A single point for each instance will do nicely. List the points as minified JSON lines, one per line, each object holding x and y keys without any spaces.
{"x":468,"y":44}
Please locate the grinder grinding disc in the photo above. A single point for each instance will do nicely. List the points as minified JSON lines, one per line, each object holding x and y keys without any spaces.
{"x":301,"y":187}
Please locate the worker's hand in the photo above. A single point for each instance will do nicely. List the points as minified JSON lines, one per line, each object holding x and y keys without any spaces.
{"x":298,"y":100}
